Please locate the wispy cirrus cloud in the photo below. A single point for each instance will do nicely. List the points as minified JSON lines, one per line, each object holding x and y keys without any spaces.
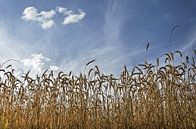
{"x":190,"y":44}
{"x":13,"y":52}
{"x":109,"y":54}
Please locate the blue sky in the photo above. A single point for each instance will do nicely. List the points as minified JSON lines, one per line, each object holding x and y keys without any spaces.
{"x":66,"y":34}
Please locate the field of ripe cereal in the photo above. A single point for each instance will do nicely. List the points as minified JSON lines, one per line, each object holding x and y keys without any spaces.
{"x":147,"y":96}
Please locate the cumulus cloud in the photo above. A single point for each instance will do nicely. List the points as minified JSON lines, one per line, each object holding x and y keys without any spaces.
{"x":74,"y":18}
{"x":44,"y":18}
{"x":35,"y":61}
{"x":30,"y":14}
{"x":54,"y":68}
{"x":47,"y":24}
{"x":63,"y":11}
{"x":70,"y":16}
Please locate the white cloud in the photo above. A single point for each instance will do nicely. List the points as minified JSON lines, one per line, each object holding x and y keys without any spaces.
{"x":30,"y":14}
{"x":36,"y":62}
{"x":44,"y":18}
{"x":47,"y":24}
{"x":47,"y":14}
{"x":73,"y":18}
{"x":54,"y":68}
{"x":63,"y":11}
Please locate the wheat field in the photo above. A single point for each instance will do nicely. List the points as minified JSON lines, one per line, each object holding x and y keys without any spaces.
{"x":157,"y":95}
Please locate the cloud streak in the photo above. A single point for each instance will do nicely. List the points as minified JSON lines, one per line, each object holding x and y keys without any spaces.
{"x":13,"y":49}
{"x":190,"y":44}
{"x":109,"y":54}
